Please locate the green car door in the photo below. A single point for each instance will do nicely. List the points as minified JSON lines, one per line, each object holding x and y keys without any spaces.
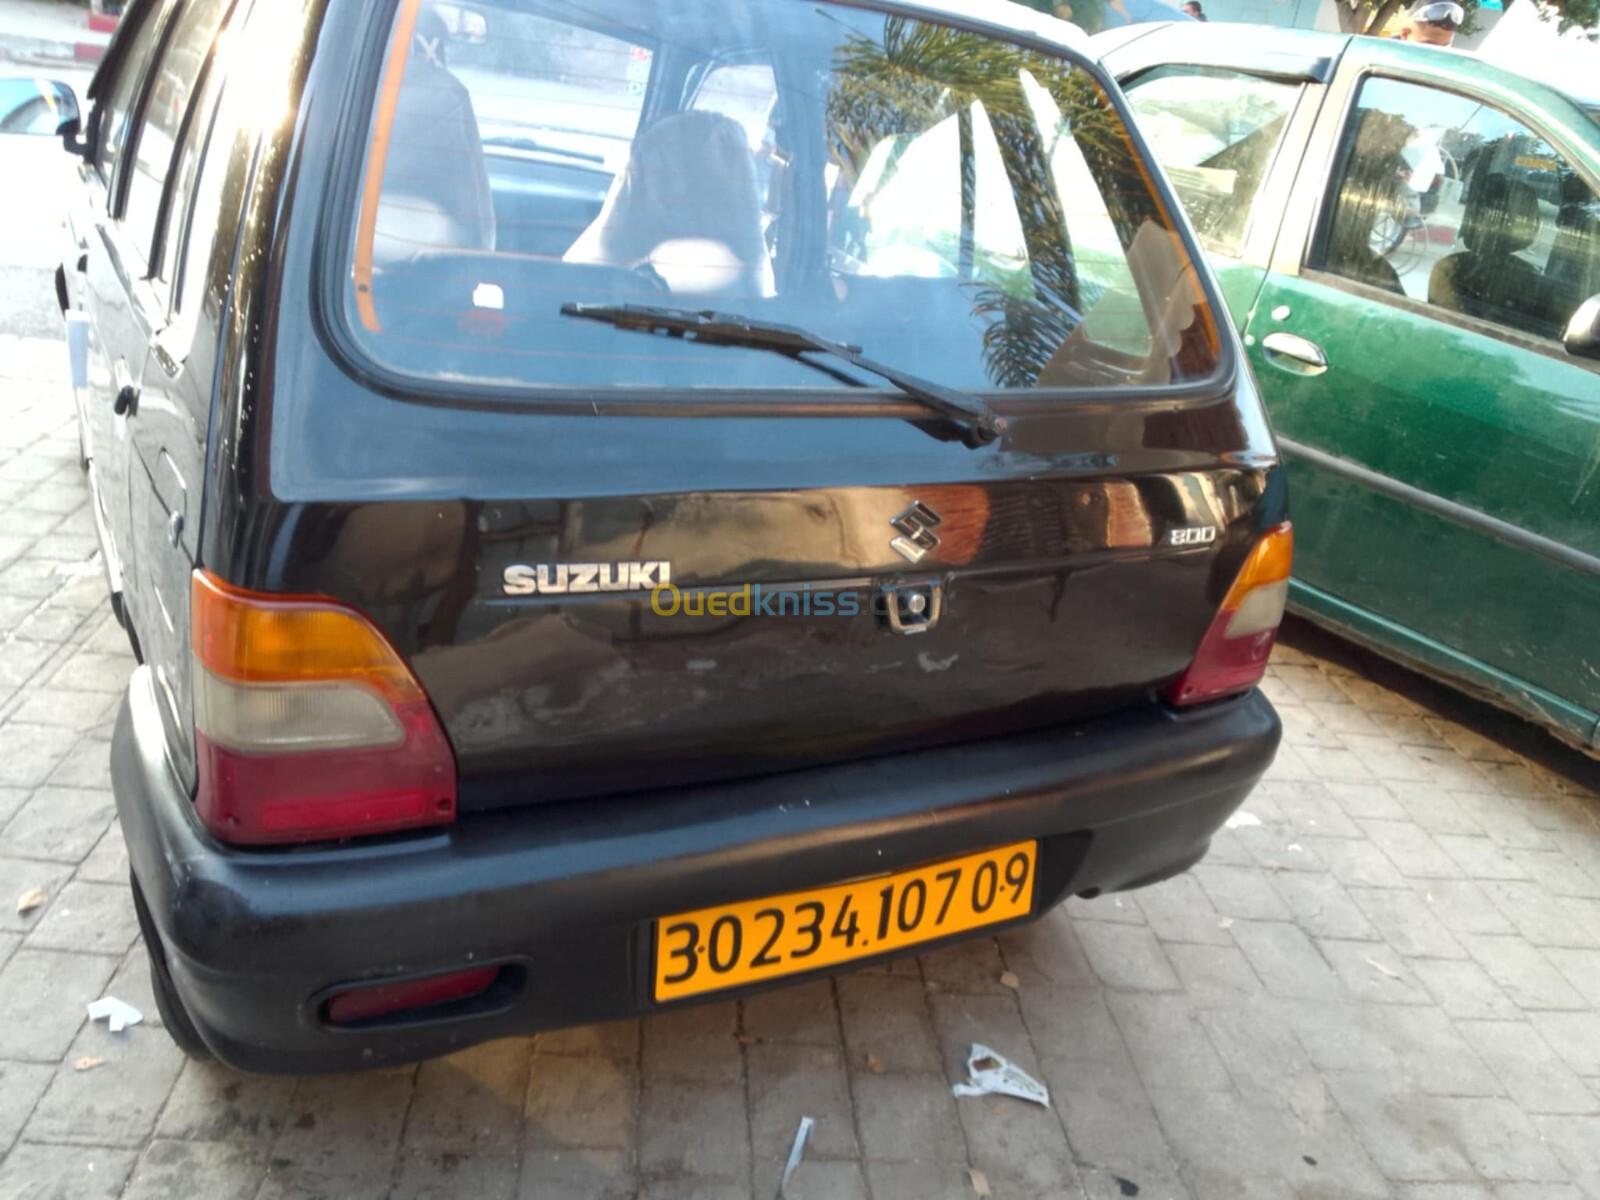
{"x":1443,"y":446}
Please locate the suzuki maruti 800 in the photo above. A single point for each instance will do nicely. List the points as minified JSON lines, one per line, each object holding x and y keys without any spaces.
{"x":631,"y":501}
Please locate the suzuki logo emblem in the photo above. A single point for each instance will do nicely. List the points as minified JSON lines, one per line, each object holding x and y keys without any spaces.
{"x":916,"y":526}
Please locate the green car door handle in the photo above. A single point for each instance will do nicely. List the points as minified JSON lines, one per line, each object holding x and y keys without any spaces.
{"x":1294,"y":353}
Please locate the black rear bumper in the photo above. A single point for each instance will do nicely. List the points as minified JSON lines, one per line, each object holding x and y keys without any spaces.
{"x":564,"y":894}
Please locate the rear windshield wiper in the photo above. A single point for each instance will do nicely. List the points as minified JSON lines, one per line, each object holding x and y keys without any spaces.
{"x":980,"y":426}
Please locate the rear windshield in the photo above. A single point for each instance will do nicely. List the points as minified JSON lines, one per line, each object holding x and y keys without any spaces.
{"x":953,"y":204}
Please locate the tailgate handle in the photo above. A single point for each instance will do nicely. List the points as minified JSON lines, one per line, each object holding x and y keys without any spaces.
{"x":1306,"y":357}
{"x":911,"y":606}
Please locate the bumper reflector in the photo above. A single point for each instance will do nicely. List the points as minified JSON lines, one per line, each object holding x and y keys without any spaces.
{"x":383,"y":999}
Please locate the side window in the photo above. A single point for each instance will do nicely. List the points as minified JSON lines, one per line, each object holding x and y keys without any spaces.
{"x":1215,"y":133}
{"x":196,"y":194}
{"x":1448,"y":201}
{"x":180,"y":66}
{"x":117,"y":107}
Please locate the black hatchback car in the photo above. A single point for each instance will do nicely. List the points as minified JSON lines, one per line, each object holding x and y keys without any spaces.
{"x":621,"y":501}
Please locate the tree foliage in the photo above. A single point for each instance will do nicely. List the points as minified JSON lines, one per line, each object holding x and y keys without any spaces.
{"x":1371,"y":16}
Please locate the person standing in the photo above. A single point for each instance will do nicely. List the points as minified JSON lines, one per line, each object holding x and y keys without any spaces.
{"x":1434,"y":23}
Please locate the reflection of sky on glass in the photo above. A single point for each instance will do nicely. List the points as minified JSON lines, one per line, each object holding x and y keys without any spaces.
{"x":1430,"y":108}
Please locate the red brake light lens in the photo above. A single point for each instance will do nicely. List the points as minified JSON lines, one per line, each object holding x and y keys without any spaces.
{"x":382,"y":999}
{"x":1233,"y":654}
{"x":308,"y":724}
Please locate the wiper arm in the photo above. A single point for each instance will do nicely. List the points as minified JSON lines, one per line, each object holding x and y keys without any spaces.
{"x":971,"y":414}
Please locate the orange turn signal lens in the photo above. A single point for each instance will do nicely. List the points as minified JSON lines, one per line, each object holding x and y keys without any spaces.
{"x":257,"y":637}
{"x":1269,"y":562}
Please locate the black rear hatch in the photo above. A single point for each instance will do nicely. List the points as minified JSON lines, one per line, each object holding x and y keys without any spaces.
{"x":500,"y":485}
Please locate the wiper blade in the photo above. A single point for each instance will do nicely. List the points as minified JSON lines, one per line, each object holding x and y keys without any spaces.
{"x":972,"y":415}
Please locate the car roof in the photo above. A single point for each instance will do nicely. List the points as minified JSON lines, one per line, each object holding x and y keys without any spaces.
{"x":1311,"y":56}
{"x":1261,"y":49}
{"x":1001,"y":17}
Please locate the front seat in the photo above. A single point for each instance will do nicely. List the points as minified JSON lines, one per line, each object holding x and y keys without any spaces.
{"x":686,"y":207}
{"x":1572,"y":273}
{"x":436,"y":192}
{"x":1487,"y":280}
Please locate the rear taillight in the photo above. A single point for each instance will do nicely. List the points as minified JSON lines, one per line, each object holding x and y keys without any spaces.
{"x":308,"y":725}
{"x":1233,"y":654}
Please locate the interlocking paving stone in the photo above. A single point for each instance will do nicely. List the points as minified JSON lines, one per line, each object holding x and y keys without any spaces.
{"x":586,"y":1103}
{"x":90,"y":918}
{"x":787,"y":1082}
{"x":695,"y":1044}
{"x":907,"y":1118}
{"x":1534,"y":1075}
{"x":214,"y":1170}
{"x":45,"y":1172}
{"x":210,"y":1103}
{"x":578,"y":1175}
{"x":812,"y":1180}
{"x":1464,"y":990}
{"x":54,"y":986}
{"x":804,"y":1014}
{"x":1168,"y":1042}
{"x":21,"y":1085}
{"x":471,"y":1101}
{"x":445,"y":1175}
{"x":1523,"y":973}
{"x":1406,"y":921}
{"x":1126,"y":956}
{"x":698,"y":1129}
{"x":886,"y":1019}
{"x":116,"y":1103}
{"x":59,"y":824}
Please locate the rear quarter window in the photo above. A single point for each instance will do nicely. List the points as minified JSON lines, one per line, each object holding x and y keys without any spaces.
{"x":956,"y":205}
{"x":1216,"y":133}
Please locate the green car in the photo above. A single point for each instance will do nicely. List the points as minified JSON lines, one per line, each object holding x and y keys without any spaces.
{"x":1409,"y":240}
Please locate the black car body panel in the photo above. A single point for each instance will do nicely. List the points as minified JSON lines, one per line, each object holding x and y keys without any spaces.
{"x":615,"y":763}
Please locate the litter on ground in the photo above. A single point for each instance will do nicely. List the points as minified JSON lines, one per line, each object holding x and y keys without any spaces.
{"x":118,"y":1014}
{"x":799,"y":1148}
{"x":992,"y":1075}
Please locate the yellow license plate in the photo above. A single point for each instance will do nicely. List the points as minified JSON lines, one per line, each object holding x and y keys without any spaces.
{"x":735,"y":944}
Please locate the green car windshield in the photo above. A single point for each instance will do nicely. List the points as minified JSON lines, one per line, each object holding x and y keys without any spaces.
{"x":956,"y":205}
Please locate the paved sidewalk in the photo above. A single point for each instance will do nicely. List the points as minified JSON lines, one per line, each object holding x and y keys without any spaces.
{"x":1389,"y":987}
{"x":48,"y":32}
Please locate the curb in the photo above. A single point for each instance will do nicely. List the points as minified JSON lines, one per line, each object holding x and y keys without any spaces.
{"x":47,"y":52}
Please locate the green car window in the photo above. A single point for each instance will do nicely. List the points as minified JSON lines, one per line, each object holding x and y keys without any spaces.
{"x":1215,"y":132}
{"x":1457,"y":204}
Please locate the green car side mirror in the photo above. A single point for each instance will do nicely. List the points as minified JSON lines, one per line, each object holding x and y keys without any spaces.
{"x":1582,"y":338}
